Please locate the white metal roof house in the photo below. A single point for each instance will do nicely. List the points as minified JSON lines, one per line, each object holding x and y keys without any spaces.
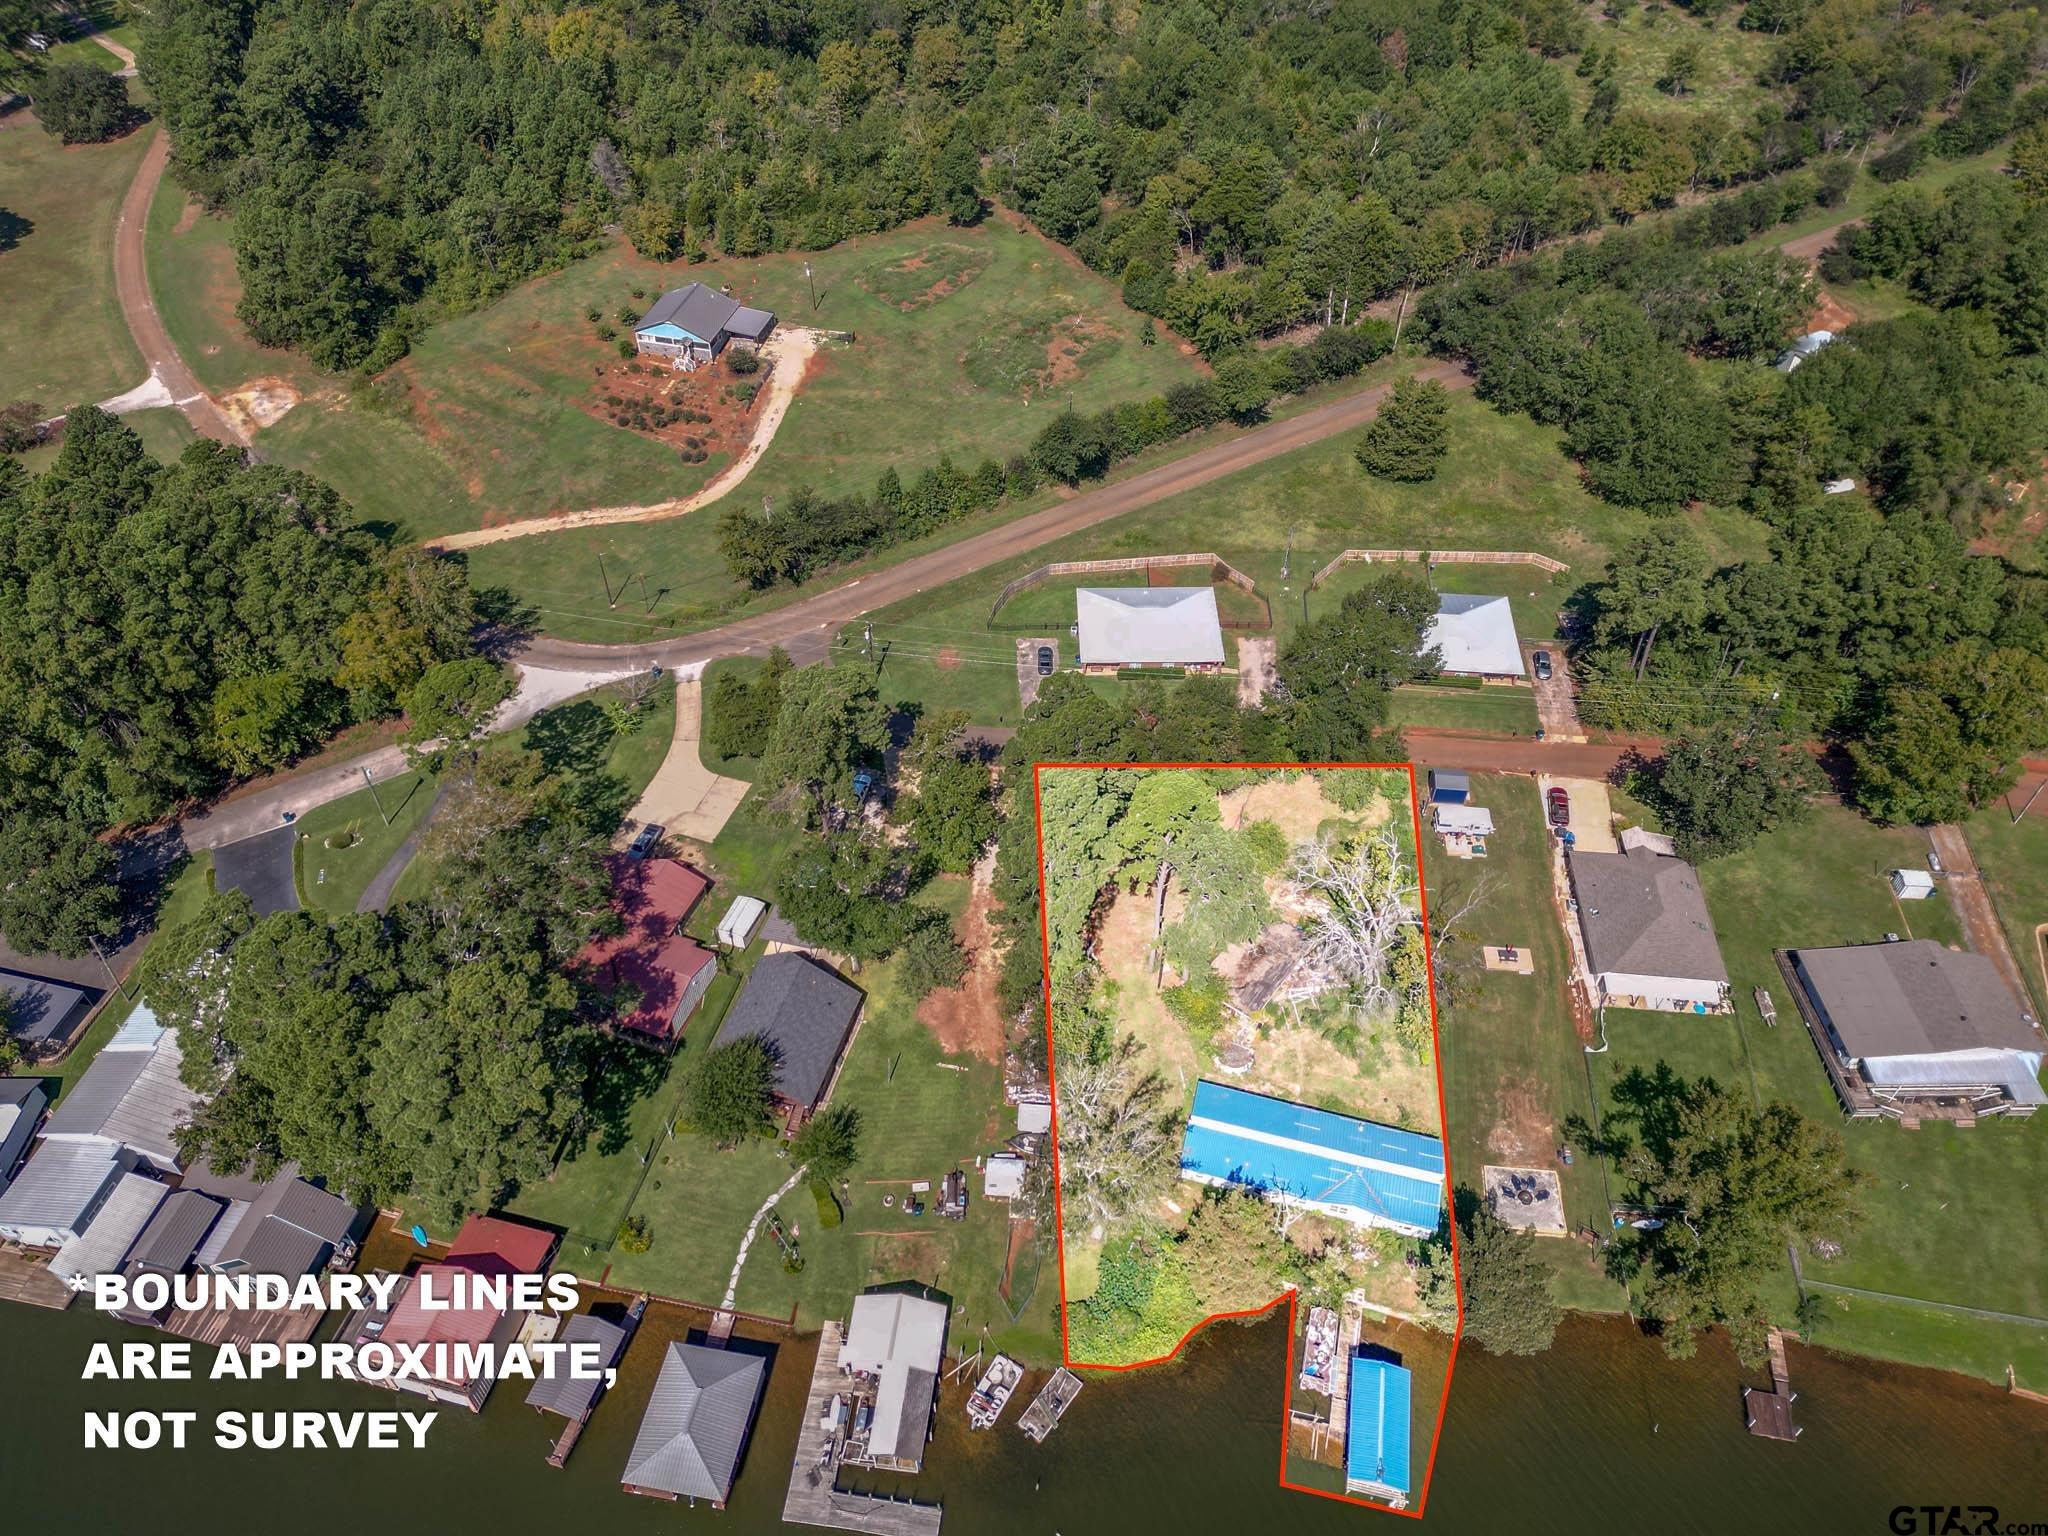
{"x":102,"y":1246}
{"x":1649,"y":939}
{"x":900,"y":1340}
{"x":1148,"y":627}
{"x":59,"y":1191}
{"x":1476,"y":636}
{"x":1806,"y":346}
{"x":130,"y":1095}
{"x":1911,"y":1025}
{"x":693,"y":324}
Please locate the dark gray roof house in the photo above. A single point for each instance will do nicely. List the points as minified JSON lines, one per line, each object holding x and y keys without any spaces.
{"x":805,"y":1013}
{"x":696,"y":322}
{"x":280,"y":1226}
{"x":175,"y":1232}
{"x":1649,"y":939}
{"x":40,"y":1010}
{"x":696,"y":1424}
{"x":555,"y":1389}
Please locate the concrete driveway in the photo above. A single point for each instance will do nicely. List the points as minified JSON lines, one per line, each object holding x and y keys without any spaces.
{"x":1028,"y":680}
{"x":261,"y":866}
{"x":1592,"y":812}
{"x":684,"y":796}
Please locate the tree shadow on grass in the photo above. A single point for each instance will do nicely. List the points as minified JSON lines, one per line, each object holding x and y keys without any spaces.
{"x":14,"y":228}
{"x":571,"y":740}
{"x":622,"y":1073}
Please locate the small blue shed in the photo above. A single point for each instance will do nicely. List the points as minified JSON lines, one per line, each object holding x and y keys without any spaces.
{"x":1449,"y":786}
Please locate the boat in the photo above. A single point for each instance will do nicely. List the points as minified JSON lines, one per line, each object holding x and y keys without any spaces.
{"x":991,"y":1394}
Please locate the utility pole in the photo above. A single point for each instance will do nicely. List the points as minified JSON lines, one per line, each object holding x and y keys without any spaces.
{"x":1287,"y":560}
{"x":867,"y":639}
{"x":376,"y":799}
{"x":814,"y":285}
{"x":100,"y":955}
{"x":605,"y":577}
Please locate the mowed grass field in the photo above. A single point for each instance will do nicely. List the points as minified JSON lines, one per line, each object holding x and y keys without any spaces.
{"x":1953,"y":1217}
{"x":62,"y":339}
{"x":1513,"y":1064}
{"x":1506,"y":485}
{"x":485,"y":421}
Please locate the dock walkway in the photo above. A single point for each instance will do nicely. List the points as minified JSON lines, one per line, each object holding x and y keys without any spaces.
{"x":814,"y":1497}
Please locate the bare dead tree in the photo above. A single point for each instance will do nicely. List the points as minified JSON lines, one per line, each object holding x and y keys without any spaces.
{"x":1118,"y":1142}
{"x":1364,"y":901}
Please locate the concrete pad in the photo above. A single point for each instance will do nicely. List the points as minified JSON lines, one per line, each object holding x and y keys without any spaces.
{"x":684,"y":796}
{"x":1592,"y":812}
{"x":1527,"y":1199}
{"x":1255,"y":657}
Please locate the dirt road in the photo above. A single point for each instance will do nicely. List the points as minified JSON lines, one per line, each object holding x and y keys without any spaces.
{"x":1966,"y":893}
{"x":805,"y":628}
{"x":131,"y":283}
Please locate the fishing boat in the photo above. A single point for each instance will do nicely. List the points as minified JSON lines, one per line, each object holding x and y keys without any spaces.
{"x":991,"y":1394}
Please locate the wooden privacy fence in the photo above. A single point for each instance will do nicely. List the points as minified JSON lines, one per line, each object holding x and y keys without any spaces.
{"x":1220,"y":569}
{"x":1440,"y":557}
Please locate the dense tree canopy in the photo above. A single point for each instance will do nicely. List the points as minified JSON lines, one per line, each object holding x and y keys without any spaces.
{"x":163,"y":627}
{"x":1237,"y":169}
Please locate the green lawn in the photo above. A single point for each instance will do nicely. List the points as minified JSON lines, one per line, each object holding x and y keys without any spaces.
{"x":62,"y":338}
{"x":1513,"y":1064}
{"x":342,"y":845}
{"x":1506,"y":711}
{"x":1932,"y":1194}
{"x":2013,"y":859}
{"x":1505,"y":486}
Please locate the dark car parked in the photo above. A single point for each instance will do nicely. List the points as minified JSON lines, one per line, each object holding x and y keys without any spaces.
{"x":1560,"y":807}
{"x":1542,"y":660}
{"x":1045,"y":661}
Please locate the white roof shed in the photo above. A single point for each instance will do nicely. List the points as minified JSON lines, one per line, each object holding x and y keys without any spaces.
{"x":736,"y":928}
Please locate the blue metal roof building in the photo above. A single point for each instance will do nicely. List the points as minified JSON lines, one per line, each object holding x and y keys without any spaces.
{"x":1376,"y":1440}
{"x":1367,"y":1174}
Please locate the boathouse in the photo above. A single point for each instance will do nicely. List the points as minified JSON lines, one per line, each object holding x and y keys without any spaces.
{"x":1377,"y":1438}
{"x":696,"y":1424}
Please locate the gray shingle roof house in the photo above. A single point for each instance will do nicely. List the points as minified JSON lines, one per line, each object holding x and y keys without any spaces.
{"x":39,"y":1011}
{"x":59,"y":1191}
{"x":281,"y":1226}
{"x":555,"y":1389}
{"x":1649,"y":939}
{"x":130,"y":1095}
{"x":1916,"y":1020}
{"x":696,"y":1424}
{"x":693,"y":324}
{"x":22,"y":1101}
{"x":1148,"y":627}
{"x":805,"y":1013}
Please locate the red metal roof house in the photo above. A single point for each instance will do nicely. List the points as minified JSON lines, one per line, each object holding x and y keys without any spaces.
{"x":653,"y":975}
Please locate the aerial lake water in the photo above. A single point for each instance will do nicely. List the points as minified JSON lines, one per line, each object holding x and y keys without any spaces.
{"x":1603,"y":1432}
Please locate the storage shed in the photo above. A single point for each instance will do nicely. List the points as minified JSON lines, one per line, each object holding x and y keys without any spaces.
{"x":1912,"y":884}
{"x":736,"y":928}
{"x":1449,"y":786}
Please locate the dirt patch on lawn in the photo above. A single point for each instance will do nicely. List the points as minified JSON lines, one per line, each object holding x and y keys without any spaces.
{"x":1296,"y":805}
{"x":967,"y":1019}
{"x":922,"y":279}
{"x":1072,"y":340}
{"x":259,"y":403}
{"x":698,"y":413}
{"x":1525,"y":1134}
{"x":1124,"y":947}
{"x":1830,"y":314}
{"x":1294,"y":1062}
{"x":187,"y":217}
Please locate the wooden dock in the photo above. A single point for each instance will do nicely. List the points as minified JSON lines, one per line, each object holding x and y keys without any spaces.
{"x":1350,"y":1331}
{"x":566,"y":1441}
{"x":1052,"y":1402}
{"x":1769,"y":1414}
{"x":814,"y":1495}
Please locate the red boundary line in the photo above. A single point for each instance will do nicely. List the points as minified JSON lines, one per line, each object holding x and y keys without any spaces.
{"x":1288,"y":1297}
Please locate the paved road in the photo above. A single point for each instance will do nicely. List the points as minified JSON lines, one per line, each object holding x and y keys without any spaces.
{"x":805,"y":628}
{"x":131,"y":283}
{"x":262,"y":867}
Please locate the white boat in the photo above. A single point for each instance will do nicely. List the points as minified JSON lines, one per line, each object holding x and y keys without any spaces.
{"x":991,"y":1394}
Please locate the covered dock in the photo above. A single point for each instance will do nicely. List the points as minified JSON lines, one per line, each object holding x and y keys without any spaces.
{"x":814,"y":1496}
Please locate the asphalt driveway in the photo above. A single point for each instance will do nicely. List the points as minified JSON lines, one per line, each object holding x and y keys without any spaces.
{"x":262,"y":866}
